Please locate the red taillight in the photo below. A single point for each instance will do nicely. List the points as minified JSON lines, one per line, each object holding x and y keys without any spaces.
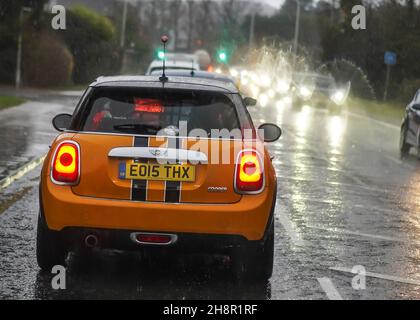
{"x":65,"y":165}
{"x":154,"y":238}
{"x":249,"y":176}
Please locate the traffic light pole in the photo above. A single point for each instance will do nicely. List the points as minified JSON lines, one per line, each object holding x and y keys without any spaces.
{"x":388,"y":74}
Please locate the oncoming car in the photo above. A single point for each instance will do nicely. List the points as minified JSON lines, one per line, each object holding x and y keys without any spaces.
{"x":138,"y":167}
{"x":320,"y":90}
{"x":410,"y":127}
{"x":196,"y":74}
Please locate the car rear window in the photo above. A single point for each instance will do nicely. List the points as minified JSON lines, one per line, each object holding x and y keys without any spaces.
{"x":149,"y":110}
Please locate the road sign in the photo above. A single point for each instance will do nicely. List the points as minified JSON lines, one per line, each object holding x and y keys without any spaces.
{"x":390,"y":58}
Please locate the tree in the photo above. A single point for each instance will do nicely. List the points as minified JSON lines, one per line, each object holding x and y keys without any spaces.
{"x":92,"y":40}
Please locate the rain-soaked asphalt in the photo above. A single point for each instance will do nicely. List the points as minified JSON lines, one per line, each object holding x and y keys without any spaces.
{"x":345,"y":199}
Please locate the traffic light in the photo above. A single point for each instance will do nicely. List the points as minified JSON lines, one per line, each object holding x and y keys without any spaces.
{"x":222,"y":56}
{"x":161,"y":54}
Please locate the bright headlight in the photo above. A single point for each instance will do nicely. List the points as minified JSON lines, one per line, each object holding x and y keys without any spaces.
{"x":287,"y":100}
{"x":234,"y":73}
{"x":282,"y":86}
{"x":305,"y":92}
{"x":263,"y":99}
{"x":255,"y":90}
{"x":265,"y":80}
{"x":338,"y":97}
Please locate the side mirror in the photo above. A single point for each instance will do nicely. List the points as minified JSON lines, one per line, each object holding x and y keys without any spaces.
{"x":271,"y":131}
{"x":61,"y":121}
{"x":249,"y":102}
{"x":416,"y":106}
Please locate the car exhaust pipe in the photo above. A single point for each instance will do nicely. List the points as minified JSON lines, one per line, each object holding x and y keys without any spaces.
{"x":91,"y":241}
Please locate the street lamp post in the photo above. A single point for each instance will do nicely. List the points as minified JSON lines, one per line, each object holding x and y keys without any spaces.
{"x":18,"y":76}
{"x":122,"y":37}
{"x":124,"y":24}
{"x":296,"y":37}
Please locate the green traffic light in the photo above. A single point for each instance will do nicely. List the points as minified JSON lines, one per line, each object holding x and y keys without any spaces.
{"x":222,"y":56}
{"x":161,"y":54}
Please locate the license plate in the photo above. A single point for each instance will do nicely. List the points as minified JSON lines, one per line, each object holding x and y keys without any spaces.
{"x":149,"y":171}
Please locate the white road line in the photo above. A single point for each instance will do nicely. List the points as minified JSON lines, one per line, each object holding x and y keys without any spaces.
{"x":329,"y":288}
{"x":71,"y":93}
{"x":19,"y":173}
{"x":366,"y":235}
{"x":45,"y":133}
{"x":382,"y":123}
{"x":290,"y":229}
{"x":379,"y":276}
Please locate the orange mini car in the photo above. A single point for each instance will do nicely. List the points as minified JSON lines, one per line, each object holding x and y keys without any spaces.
{"x":145,"y":163}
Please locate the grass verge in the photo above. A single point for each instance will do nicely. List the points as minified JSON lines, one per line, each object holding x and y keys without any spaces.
{"x":10,"y":101}
{"x":391,"y":111}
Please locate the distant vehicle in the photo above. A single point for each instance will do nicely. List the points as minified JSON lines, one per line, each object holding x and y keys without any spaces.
{"x":181,"y":56}
{"x":410,"y":127}
{"x":203,"y":58}
{"x":248,"y":101}
{"x":319,"y":90}
{"x":196,"y":74}
{"x":122,"y":175}
{"x":174,"y":61}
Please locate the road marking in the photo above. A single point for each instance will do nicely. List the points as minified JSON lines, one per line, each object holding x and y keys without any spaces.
{"x":71,"y":93}
{"x":45,"y":133}
{"x":379,"y":276}
{"x":290,"y":229}
{"x":366,"y":235}
{"x":19,"y":173}
{"x":385,"y":124}
{"x":329,"y":289}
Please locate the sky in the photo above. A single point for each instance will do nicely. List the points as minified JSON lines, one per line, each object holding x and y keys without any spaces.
{"x":274,"y":3}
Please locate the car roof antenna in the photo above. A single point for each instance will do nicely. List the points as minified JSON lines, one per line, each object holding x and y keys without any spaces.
{"x":192,"y":67}
{"x":164,"y":40}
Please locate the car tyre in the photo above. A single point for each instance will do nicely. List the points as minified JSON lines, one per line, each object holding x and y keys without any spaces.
{"x":50,"y":250}
{"x":255,"y":262}
{"x":404,"y":146}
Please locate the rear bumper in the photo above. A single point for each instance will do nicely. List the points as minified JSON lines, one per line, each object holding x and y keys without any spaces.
{"x":74,"y":238}
{"x":247,"y":219}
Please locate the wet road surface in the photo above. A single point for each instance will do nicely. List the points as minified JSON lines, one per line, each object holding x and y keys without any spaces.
{"x":345,"y":199}
{"x":25,"y":131}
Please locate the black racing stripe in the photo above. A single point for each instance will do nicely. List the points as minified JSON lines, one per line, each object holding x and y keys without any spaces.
{"x":173,"y":188}
{"x":139,"y":187}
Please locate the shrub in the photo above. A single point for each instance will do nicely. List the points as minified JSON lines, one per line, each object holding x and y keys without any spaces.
{"x":46,"y":61}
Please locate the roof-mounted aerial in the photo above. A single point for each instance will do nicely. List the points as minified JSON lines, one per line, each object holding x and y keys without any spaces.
{"x":164,"y":39}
